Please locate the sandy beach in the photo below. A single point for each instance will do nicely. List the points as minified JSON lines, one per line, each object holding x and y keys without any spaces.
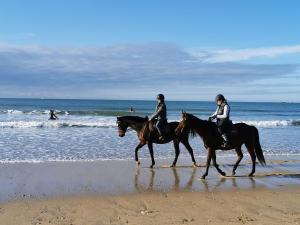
{"x":118,"y":192}
{"x":234,"y":207}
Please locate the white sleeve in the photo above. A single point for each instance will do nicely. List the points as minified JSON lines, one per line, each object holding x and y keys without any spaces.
{"x":225,"y":113}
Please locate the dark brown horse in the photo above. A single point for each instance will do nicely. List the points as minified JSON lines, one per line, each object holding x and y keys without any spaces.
{"x":148,"y":135}
{"x":241,"y":134}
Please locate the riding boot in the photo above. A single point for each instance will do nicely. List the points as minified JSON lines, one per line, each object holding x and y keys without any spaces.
{"x":225,"y":139}
{"x":161,"y":136}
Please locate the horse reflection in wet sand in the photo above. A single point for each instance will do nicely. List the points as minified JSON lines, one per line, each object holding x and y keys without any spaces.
{"x":152,"y":186}
{"x":175,"y":184}
{"x":148,"y":136}
{"x":244,"y":134}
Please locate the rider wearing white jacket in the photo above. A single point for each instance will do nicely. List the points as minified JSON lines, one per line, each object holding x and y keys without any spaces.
{"x":222,"y":115}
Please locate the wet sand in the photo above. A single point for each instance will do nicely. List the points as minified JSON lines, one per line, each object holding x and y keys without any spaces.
{"x":119,"y":192}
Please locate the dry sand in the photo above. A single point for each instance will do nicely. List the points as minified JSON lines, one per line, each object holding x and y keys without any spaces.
{"x":260,"y":206}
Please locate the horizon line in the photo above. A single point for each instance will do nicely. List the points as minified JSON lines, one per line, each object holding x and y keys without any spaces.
{"x":107,"y":99}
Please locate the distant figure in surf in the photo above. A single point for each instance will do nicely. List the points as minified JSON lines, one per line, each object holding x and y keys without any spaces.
{"x":222,"y":115}
{"x":161,"y":115}
{"x":131,"y":109}
{"x":52,"y":115}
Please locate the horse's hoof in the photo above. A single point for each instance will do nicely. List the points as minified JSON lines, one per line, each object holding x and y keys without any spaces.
{"x":223,"y":174}
{"x":251,"y":175}
{"x":233,"y":174}
{"x":203,"y":177}
{"x":151,"y":167}
{"x":138,"y":163}
{"x":195,"y":165}
{"x":172,"y":166}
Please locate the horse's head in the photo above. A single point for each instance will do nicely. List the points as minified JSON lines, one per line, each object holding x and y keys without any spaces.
{"x":122,"y":126}
{"x":183,"y":126}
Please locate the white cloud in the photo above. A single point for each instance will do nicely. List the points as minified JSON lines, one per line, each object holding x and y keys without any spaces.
{"x":235,"y":55}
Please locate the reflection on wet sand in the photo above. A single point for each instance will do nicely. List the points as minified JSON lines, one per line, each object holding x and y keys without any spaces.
{"x":121,"y":177}
{"x":193,"y":183}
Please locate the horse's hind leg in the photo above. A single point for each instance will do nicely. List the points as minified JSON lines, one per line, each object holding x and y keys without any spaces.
{"x":240,"y":156}
{"x":137,"y":148}
{"x":150,"y":146}
{"x":250,"y":148}
{"x":214,"y":158}
{"x":190,"y":150}
{"x":177,"y":151}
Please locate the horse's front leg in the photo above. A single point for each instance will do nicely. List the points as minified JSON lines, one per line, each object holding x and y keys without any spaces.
{"x":137,"y":148}
{"x":150,"y":146}
{"x":214,"y":158}
{"x":209,"y":155}
{"x":177,"y":151}
{"x":190,"y":150}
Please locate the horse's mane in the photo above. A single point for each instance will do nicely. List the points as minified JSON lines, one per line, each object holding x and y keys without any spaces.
{"x":194,"y":123}
{"x":137,"y":119}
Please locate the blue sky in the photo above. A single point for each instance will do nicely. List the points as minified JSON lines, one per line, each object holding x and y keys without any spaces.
{"x":189,"y":50}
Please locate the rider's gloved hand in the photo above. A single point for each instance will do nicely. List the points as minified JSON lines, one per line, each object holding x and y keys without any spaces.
{"x":211,"y":118}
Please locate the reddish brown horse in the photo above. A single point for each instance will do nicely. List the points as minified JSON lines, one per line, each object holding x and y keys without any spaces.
{"x":241,"y":134}
{"x":148,"y":135}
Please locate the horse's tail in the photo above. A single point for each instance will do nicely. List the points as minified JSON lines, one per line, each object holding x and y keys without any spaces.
{"x":257,"y":147}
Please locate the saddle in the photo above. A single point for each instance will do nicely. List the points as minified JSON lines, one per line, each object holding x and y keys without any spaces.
{"x":231,"y":132}
{"x":230,"y":129}
{"x":153,"y":129}
{"x":150,"y":130}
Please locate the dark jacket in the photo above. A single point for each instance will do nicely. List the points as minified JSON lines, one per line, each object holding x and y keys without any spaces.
{"x":160,"y":112}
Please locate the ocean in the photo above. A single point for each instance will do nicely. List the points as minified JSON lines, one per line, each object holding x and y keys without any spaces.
{"x":86,"y":129}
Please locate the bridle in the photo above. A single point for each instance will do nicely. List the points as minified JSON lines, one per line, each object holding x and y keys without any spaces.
{"x":122,"y":129}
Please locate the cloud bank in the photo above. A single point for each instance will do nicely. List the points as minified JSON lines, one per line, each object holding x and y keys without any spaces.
{"x":132,"y":71}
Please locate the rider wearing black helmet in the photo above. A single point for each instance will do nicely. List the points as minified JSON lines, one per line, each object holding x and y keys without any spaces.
{"x":222,"y":115}
{"x":160,"y":114}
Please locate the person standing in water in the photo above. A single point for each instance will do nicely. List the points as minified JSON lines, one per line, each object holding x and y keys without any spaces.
{"x":131,"y":109}
{"x":52,"y":115}
{"x":161,"y":115}
{"x":222,"y":115}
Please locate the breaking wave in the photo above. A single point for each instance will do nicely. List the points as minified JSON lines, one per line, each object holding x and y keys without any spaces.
{"x":56,"y":124}
{"x":107,"y":122}
{"x":69,"y":112}
{"x":273,"y":123}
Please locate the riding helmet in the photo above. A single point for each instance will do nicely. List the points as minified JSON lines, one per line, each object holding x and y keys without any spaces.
{"x":160,"y":97}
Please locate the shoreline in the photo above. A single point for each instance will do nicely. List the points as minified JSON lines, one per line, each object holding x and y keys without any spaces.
{"x":117,"y":177}
{"x":184,"y":156}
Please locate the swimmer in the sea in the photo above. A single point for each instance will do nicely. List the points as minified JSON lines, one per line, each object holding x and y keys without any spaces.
{"x":52,"y":115}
